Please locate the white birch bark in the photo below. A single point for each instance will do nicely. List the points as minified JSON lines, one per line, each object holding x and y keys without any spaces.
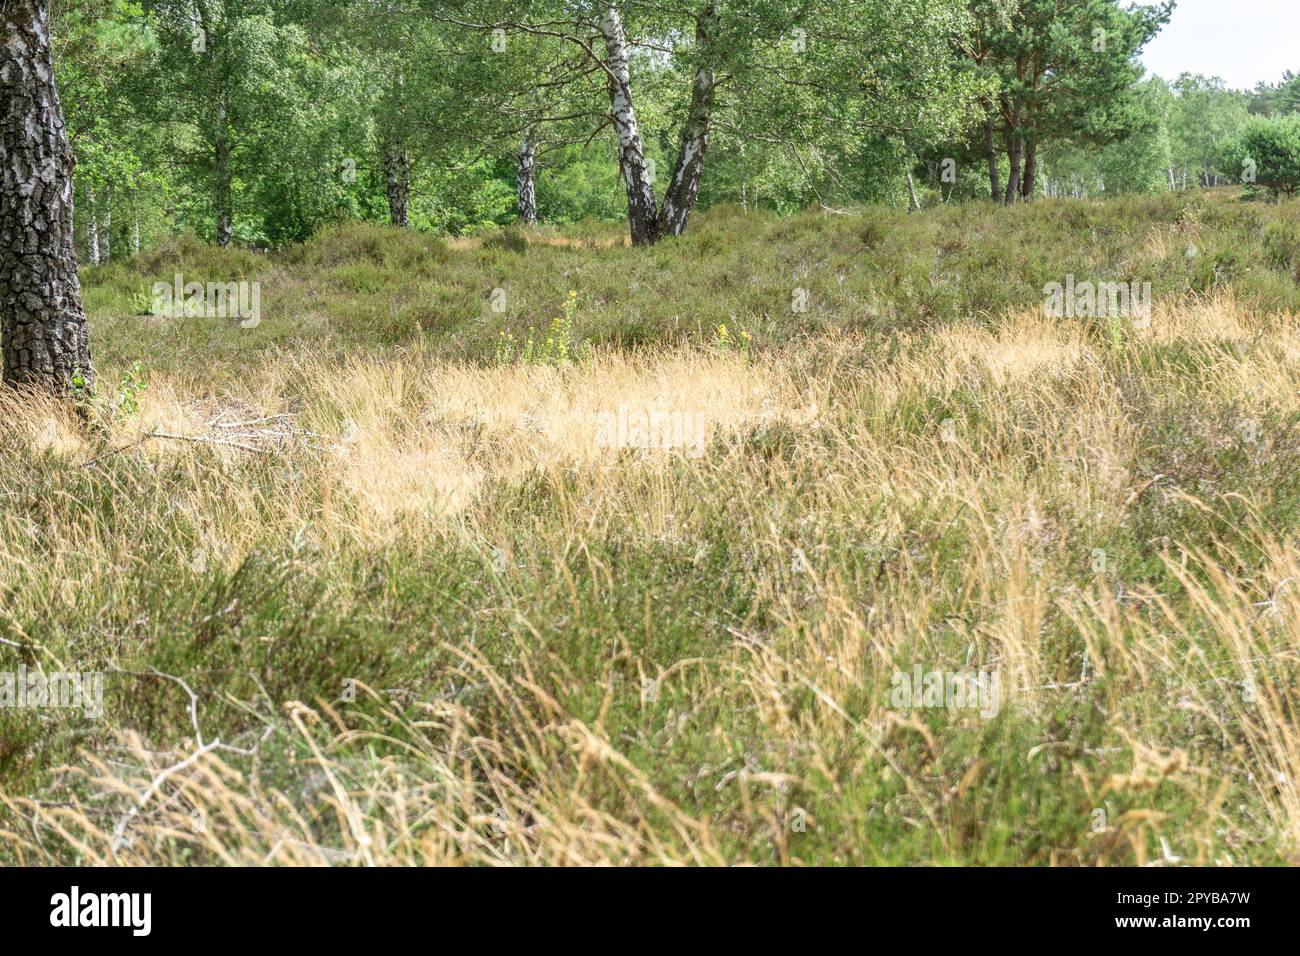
{"x":526,"y":160}
{"x":92,"y":227}
{"x":642,"y":209}
{"x":106,"y":232}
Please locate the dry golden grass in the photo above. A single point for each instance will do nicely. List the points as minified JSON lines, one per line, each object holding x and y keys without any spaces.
{"x":941,"y":503}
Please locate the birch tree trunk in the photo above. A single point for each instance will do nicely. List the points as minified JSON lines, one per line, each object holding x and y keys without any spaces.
{"x":642,"y":209}
{"x":92,"y":227}
{"x":911,"y":192}
{"x":684,"y":189}
{"x":46,"y":342}
{"x":106,"y":233}
{"x":526,"y":159}
{"x":397,"y":182}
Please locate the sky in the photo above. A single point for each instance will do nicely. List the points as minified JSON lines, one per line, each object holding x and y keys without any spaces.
{"x":1242,"y":41}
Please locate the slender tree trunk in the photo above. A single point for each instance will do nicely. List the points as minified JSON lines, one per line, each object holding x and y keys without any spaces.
{"x":397,"y":183}
{"x":46,"y":342}
{"x":1031,"y":171}
{"x":679,"y":199}
{"x":92,"y":227}
{"x":991,"y":153}
{"x":106,"y":233}
{"x":526,"y":159}
{"x":1013,"y":179}
{"x":911,"y":192}
{"x":135,"y":237}
{"x":642,"y":209}
{"x":221,"y":144}
{"x":221,"y":159}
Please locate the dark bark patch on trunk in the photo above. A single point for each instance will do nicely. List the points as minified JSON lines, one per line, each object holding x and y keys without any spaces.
{"x":46,"y":342}
{"x":527,"y":178}
{"x":397,"y":183}
{"x":684,"y":189}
